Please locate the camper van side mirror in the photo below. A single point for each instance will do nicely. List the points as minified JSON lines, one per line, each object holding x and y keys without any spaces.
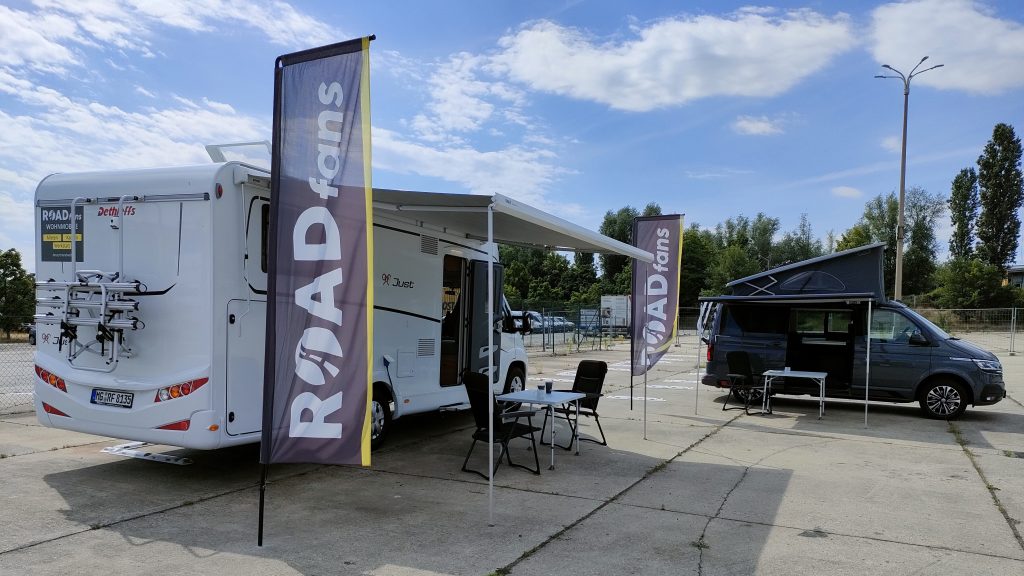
{"x":916,"y":339}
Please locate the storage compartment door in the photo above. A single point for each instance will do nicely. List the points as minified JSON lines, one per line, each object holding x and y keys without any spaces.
{"x":247,"y":321}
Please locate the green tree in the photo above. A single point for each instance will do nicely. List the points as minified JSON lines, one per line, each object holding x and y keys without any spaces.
{"x":582,"y":273}
{"x":619,"y":225}
{"x":762,"y":240}
{"x":963,"y":211}
{"x":699,"y":256}
{"x":17,"y":293}
{"x":920,"y":258}
{"x":1000,"y":184}
{"x":800,"y":244}
{"x":971,"y":283}
{"x":733,"y":263}
{"x":878,"y":224}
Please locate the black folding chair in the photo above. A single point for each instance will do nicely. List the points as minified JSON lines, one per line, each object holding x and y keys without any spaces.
{"x":506,"y":425}
{"x":589,"y":380}
{"x":743,"y":383}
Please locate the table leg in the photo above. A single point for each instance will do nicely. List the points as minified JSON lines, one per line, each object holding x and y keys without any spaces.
{"x":551,"y":414}
{"x":576,"y":430}
{"x":821,"y":400}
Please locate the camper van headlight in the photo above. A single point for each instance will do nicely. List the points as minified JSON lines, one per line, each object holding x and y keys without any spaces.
{"x":179,"y":390}
{"x":989,"y":365}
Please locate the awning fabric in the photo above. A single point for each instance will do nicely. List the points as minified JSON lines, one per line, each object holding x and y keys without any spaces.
{"x":514,"y":222}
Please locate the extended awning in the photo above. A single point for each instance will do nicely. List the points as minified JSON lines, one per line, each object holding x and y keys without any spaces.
{"x":514,"y":222}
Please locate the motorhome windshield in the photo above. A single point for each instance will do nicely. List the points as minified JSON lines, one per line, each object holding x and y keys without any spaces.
{"x":922,"y":320}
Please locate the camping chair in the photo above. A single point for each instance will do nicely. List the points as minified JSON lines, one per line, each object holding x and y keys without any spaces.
{"x":506,"y":425}
{"x":589,"y":380}
{"x":741,"y":379}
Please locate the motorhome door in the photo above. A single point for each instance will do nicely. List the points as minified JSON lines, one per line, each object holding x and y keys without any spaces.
{"x":247,"y":318}
{"x":478,"y":317}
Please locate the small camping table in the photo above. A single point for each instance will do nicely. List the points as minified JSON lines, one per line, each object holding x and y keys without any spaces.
{"x":552,"y":399}
{"x":770,"y":375}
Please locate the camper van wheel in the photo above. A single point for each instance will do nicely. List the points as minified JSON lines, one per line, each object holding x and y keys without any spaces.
{"x":380,"y":416}
{"x":515,"y":381}
{"x":943,"y":399}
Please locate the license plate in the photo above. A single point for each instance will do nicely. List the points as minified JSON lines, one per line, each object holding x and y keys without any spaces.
{"x":111,"y":398}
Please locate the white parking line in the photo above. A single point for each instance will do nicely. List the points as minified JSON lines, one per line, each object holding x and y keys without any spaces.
{"x":635,"y":398}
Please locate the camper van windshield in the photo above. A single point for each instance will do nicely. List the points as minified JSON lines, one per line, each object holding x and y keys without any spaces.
{"x":922,"y":320}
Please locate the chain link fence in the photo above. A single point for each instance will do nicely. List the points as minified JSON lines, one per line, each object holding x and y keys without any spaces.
{"x":994,"y":329}
{"x":17,"y":351}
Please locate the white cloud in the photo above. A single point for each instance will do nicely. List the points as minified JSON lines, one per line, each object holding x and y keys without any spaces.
{"x":673,"y":61}
{"x":846,"y":192}
{"x":892,"y":144}
{"x":61,"y":134}
{"x":47,"y":39}
{"x":462,"y":100}
{"x":34,"y":41}
{"x":981,"y":53}
{"x":757,"y":125}
{"x":525,"y":174}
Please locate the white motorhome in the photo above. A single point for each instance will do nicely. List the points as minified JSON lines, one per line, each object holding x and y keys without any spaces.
{"x":156,"y":332}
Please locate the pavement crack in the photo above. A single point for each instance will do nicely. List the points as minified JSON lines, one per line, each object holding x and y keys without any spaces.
{"x":653,"y":470}
{"x":1011,"y":522}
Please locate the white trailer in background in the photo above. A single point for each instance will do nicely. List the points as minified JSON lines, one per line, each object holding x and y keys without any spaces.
{"x":155,"y":333}
{"x":615,"y":314}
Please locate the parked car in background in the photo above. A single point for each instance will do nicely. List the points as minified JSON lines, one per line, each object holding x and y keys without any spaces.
{"x":564,"y":324}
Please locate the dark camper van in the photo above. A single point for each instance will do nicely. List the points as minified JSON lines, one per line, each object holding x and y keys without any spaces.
{"x":813,"y":316}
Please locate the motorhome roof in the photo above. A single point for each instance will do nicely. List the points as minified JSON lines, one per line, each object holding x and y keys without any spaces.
{"x":461,"y":214}
{"x":514,"y":222}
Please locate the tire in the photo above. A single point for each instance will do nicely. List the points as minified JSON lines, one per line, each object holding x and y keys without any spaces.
{"x":943,"y":400}
{"x":380,"y":416}
{"x":515,"y":381}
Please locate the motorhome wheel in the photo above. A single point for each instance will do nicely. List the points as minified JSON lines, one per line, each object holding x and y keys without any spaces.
{"x":515,"y":381}
{"x":380,"y":417}
{"x":943,"y":400}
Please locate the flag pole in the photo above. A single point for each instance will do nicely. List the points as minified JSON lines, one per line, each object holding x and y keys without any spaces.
{"x":264,"y":470}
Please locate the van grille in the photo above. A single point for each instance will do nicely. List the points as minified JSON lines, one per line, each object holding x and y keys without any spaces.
{"x":426,"y":347}
{"x":428,"y":245}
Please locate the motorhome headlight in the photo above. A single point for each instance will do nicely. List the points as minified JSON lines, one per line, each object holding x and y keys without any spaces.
{"x":179,"y":390}
{"x":989,"y":365}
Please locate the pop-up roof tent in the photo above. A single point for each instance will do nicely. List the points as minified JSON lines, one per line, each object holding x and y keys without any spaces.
{"x":853,"y":275}
{"x":850,"y":276}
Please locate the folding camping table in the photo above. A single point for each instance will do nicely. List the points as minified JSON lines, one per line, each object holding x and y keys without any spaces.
{"x":770,"y":375}
{"x":550,"y":400}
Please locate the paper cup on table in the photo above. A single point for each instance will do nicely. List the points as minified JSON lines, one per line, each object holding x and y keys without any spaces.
{"x":547,"y":387}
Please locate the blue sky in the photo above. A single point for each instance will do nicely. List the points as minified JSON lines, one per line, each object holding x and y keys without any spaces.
{"x":709,"y":108}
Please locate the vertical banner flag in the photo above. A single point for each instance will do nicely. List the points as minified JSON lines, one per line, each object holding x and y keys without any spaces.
{"x":320,"y":306}
{"x":655,"y":289}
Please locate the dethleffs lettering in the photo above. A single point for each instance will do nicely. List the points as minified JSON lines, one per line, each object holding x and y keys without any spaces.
{"x":657,"y":285}
{"x":319,"y":346}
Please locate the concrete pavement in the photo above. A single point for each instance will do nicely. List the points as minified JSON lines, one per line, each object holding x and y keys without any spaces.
{"x":708,"y":492}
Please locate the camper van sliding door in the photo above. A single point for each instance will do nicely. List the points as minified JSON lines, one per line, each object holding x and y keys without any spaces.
{"x":478,"y":328}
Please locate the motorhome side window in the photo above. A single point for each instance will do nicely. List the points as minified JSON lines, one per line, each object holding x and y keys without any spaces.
{"x":740,"y":320}
{"x":891,"y":326}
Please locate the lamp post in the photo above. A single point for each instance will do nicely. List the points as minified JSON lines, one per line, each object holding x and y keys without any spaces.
{"x":898,"y":290}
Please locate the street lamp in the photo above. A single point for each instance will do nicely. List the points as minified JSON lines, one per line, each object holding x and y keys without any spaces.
{"x":898,"y":291}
